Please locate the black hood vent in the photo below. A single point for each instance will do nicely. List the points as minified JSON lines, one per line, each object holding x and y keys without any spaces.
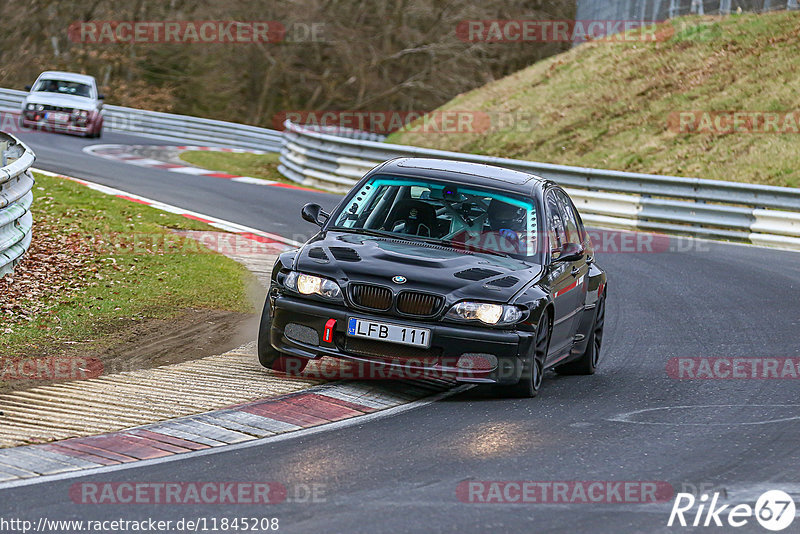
{"x":508,"y":281}
{"x":345,"y":254}
{"x":318,"y":254}
{"x":475,"y":274}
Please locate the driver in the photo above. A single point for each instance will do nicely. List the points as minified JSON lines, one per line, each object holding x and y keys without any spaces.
{"x":508,"y":221}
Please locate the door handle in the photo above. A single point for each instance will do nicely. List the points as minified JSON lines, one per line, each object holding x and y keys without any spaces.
{"x":575,"y":271}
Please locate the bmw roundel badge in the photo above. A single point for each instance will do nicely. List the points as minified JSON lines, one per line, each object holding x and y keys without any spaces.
{"x":399,"y":279}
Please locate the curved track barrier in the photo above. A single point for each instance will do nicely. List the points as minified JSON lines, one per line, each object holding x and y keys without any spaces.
{"x":169,"y":126}
{"x":16,"y":198}
{"x":714,"y":209}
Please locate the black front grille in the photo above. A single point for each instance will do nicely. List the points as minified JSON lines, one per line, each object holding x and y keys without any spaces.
{"x":392,"y":351}
{"x":413,"y":303}
{"x":372,"y":297}
{"x":48,"y":107}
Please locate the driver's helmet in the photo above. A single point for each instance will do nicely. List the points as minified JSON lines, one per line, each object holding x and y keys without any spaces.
{"x":505,"y":216}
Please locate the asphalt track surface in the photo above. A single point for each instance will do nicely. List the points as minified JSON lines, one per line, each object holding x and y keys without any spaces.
{"x":400,"y":473}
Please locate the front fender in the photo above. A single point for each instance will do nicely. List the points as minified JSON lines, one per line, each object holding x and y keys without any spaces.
{"x":285,"y":262}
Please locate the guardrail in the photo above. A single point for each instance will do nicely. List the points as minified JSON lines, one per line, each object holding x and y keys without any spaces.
{"x":170,"y":127}
{"x":16,"y":197}
{"x":758,"y":214}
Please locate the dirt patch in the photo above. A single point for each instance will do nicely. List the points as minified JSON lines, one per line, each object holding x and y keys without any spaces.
{"x":140,"y":344}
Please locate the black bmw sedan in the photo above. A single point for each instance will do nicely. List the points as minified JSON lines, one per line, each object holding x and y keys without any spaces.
{"x":444,"y":268}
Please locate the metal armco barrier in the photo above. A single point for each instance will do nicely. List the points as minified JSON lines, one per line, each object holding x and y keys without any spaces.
{"x":168,"y":126}
{"x":758,"y":214}
{"x":16,"y":182}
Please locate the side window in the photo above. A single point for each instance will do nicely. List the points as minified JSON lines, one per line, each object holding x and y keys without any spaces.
{"x":574,"y":235}
{"x":555,"y":223}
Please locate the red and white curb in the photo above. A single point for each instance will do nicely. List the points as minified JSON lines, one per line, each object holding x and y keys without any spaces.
{"x":244,"y":231}
{"x":126,"y":154}
{"x":317,"y":409}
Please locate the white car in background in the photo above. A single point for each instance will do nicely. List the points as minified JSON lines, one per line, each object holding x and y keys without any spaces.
{"x":64,"y":102}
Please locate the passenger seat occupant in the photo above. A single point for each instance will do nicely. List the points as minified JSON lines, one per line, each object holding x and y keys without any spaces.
{"x":418,"y":218}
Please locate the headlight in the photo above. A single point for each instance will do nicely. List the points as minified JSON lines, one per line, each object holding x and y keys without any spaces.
{"x":29,"y":107}
{"x":307,"y":284}
{"x":494,"y":314}
{"x":39,"y":107}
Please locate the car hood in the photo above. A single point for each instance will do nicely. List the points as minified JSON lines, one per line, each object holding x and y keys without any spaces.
{"x":67,"y":101}
{"x":455,"y":274}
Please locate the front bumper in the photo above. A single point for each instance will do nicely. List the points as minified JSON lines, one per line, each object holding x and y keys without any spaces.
{"x":306,"y":321}
{"x":50,"y":125}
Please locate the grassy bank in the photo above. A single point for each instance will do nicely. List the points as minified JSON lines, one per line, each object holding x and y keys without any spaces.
{"x":100,"y":263}
{"x":614,"y":105}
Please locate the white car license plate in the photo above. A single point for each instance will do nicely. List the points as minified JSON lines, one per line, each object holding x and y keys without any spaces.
{"x":59,"y":117}
{"x":392,"y":333}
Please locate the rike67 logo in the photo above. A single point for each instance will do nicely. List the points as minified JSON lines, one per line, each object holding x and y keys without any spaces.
{"x":774,"y":510}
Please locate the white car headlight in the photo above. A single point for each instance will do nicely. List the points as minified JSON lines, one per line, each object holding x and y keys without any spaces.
{"x":307,"y":284}
{"x":29,"y":107}
{"x":494,"y":314}
{"x":39,"y":107}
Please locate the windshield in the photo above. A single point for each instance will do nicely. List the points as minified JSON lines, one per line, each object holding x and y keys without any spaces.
{"x":418,"y":209}
{"x":63,"y":87}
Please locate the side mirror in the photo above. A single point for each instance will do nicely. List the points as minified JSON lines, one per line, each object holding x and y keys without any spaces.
{"x":27,"y":87}
{"x":313,"y":213}
{"x":101,"y":97}
{"x":569,"y":252}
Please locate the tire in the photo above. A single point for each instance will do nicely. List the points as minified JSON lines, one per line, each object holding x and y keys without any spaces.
{"x":533,"y":367}
{"x":267,"y":355}
{"x":587,"y":363}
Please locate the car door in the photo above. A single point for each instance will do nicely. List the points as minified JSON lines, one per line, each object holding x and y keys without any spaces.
{"x":560,"y":278}
{"x":579,"y":268}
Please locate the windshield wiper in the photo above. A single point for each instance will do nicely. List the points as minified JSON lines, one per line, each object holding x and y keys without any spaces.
{"x":461,"y":245}
{"x":365,"y":231}
{"x":430,"y":240}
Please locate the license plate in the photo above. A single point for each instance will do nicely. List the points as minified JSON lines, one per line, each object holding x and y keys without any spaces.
{"x":58,"y":117}
{"x":391,"y":333}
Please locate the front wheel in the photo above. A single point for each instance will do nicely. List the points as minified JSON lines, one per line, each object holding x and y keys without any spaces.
{"x":533,"y":367}
{"x":267,"y":355}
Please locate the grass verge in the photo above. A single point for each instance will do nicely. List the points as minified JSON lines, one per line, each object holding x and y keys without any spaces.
{"x":263,"y":166}
{"x":256,"y":165}
{"x":98,"y":262}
